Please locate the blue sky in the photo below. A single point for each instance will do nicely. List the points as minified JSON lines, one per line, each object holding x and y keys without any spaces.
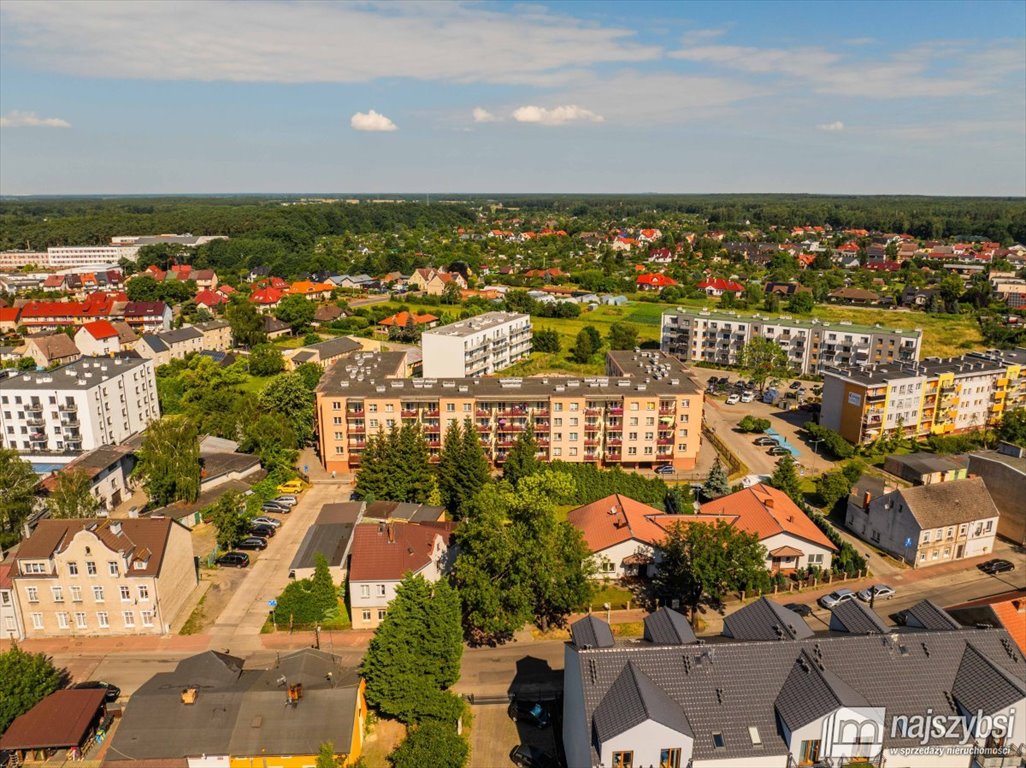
{"x":290,"y":96}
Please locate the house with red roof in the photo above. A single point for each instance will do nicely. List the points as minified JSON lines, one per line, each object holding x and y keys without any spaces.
{"x":267,"y":298}
{"x":209,"y":300}
{"x":717,"y":286}
{"x":9,"y":319}
{"x":654,"y":281}
{"x":98,"y":338}
{"x":660,"y":256}
{"x":649,"y":235}
{"x":624,"y":535}
{"x":311,"y":291}
{"x":404,"y":319}
{"x":623,"y":243}
{"x":433,"y":282}
{"x":148,"y":316}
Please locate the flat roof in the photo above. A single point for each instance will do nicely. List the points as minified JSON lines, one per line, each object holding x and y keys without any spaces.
{"x":794,"y":322}
{"x":84,"y":373}
{"x":992,"y":361}
{"x":373,"y":374}
{"x":478,"y":323}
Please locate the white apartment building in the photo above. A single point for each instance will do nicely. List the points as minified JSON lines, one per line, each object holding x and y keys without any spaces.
{"x":86,"y":404}
{"x":719,"y":337}
{"x":19,"y":259}
{"x":63,"y":256}
{"x":477,"y":346}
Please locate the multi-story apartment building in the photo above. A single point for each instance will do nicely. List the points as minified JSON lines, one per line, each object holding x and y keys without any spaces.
{"x":91,"y":402}
{"x":103,"y":577}
{"x":811,"y":345}
{"x":11,"y":625}
{"x":63,"y":256}
{"x":935,"y":397}
{"x":19,"y":259}
{"x":646,"y":412}
{"x":477,"y":346}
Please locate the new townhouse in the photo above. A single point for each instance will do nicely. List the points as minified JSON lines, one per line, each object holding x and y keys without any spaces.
{"x":86,"y":404}
{"x":811,"y":345}
{"x":645,"y":412}
{"x":935,"y":397}
{"x":477,"y":346}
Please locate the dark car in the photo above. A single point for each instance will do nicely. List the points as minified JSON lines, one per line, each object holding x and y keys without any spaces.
{"x":531,"y":757}
{"x":800,"y":608}
{"x":778,"y":450}
{"x":665,"y":469}
{"x":252,"y":542}
{"x":530,"y":712}
{"x":233,"y":560}
{"x":113,"y":692}
{"x":263,"y":531}
{"x":992,"y":567}
{"x":795,"y":385}
{"x":766,"y":440}
{"x":274,"y":506}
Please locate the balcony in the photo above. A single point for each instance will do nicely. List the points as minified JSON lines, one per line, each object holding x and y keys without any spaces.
{"x":614,"y":441}
{"x":592,"y":427}
{"x":357,"y":430}
{"x":513,"y":412}
{"x":543,"y":414}
{"x":483,"y":413}
{"x":543,"y":442}
{"x":616,"y":411}
{"x":35,"y":407}
{"x":432,"y":414}
{"x":409,"y":414}
{"x":484,"y":428}
{"x":37,"y":422}
{"x":664,"y":441}
{"x":591,"y":443}
{"x":356,"y":413}
{"x":610,"y":456}
{"x":430,"y":429}
{"x":434,"y":443}
{"x":72,"y":423}
{"x":592,"y":411}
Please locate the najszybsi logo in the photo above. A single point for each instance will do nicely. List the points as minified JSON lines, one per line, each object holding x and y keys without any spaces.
{"x":852,"y":732}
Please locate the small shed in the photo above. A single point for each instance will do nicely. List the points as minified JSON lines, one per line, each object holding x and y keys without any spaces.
{"x":63,"y":720}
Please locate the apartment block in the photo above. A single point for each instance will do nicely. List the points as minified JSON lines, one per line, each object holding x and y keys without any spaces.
{"x":86,"y":404}
{"x":478,"y":346}
{"x":103,"y":577}
{"x":811,"y":345}
{"x":646,"y":412}
{"x":938,"y":396}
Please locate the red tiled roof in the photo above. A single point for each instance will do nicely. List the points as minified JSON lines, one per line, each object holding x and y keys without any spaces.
{"x":266,"y":296}
{"x":655,"y":279}
{"x":388,"y":551}
{"x":9,"y":314}
{"x":719,"y":284}
{"x":401,"y":319}
{"x":210,"y":298}
{"x":616,"y":519}
{"x":765,"y":511}
{"x":100,"y":329}
{"x":59,"y":721}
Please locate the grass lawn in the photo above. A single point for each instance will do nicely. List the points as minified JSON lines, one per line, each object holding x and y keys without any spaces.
{"x":615,"y":595}
{"x":943,"y":335}
{"x":255,"y":384}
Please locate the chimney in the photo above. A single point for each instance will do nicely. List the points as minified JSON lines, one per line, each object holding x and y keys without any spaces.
{"x":866,"y":498}
{"x":189,"y":695}
{"x":115,"y":527}
{"x":391,"y":532}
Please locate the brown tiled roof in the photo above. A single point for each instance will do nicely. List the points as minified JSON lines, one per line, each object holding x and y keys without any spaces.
{"x":144,"y":538}
{"x":390,"y":551}
{"x":55,"y":346}
{"x":950,"y":503}
{"x":61,"y":720}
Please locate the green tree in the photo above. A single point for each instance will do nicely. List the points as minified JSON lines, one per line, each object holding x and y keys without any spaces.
{"x":622,"y":336}
{"x":17,"y":489}
{"x":680,"y":500}
{"x":545,"y":340}
{"x":462,"y":468}
{"x":716,"y":483}
{"x":323,"y":586}
{"x":594,"y":335}
{"x":785,"y":478}
{"x":452,"y":293}
{"x":753,"y":424}
{"x":1012,"y":428}
{"x":771,"y":302}
{"x":230,"y":519}
{"x":763,"y":360}
{"x":297,"y":311}
{"x":395,"y":467}
{"x":801,"y":303}
{"x":432,"y":743}
{"x":272,"y":440}
{"x":288,"y":397}
{"x":522,"y":460}
{"x":25,"y":679}
{"x":168,"y":461}
{"x":246,"y":322}
{"x":310,"y":373}
{"x":265,"y":360}
{"x":326,"y":757}
{"x":72,"y":496}
{"x":583,"y":348}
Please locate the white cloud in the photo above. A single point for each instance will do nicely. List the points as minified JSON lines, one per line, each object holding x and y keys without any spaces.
{"x":695,"y":36}
{"x":837,"y":125}
{"x":18,"y":119}
{"x":484,"y":116}
{"x":555,"y":116}
{"x":372,"y":121}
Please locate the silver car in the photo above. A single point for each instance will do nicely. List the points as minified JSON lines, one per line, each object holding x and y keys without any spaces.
{"x":836,"y":597}
{"x":877,"y":591}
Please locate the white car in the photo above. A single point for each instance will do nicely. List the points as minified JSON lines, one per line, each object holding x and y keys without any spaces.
{"x":877,"y":591}
{"x":834,"y":599}
{"x":747,"y":397}
{"x":288,"y":501}
{"x":734,"y":399}
{"x":264,"y":520}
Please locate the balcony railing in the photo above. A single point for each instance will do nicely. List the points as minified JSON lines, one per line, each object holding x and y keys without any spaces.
{"x":34,"y":407}
{"x":616,"y":411}
{"x":355,"y":414}
{"x":35,"y":422}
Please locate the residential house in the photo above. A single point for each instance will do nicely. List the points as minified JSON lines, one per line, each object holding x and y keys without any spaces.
{"x":212,"y":711}
{"x":9,"y":319}
{"x":267,"y":299}
{"x":623,"y":535}
{"x":918,"y":297}
{"x":1005,"y":609}
{"x":323,"y":353}
{"x":11,"y":625}
{"x":327,"y":313}
{"x":433,"y":282}
{"x":164,"y":347}
{"x":311,"y":291}
{"x":104,"y":577}
{"x":765,"y":619}
{"x":212,"y":301}
{"x":787,"y":289}
{"x":854,"y":296}
{"x":405,"y":319}
{"x":926,"y":524}
{"x":217,"y":335}
{"x":98,"y":339}
{"x":354,"y":282}
{"x":654,"y":281}
{"x":148,"y":316}
{"x":52,"y":349}
{"x":717,"y":286}
{"x":109,"y":469}
{"x":383,"y":553}
{"x":206,"y":279}
{"x":275,"y":328}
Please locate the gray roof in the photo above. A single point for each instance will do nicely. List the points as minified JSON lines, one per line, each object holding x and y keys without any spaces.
{"x":1015,"y":462}
{"x":668,"y":627}
{"x":951,"y":503}
{"x":923,"y":463}
{"x":340,"y":512}
{"x":155,"y":343}
{"x":729,"y":686}
{"x":980,"y":685}
{"x":477,"y":323}
{"x":212,"y":325}
{"x":926,"y":614}
{"x":179,"y":335}
{"x":85,"y":373}
{"x":632,"y":700}
{"x":591,"y":632}
{"x":812,"y":691}
{"x":329,"y":539}
{"x":400,"y":510}
{"x":303,"y":356}
{"x":854,"y":617}
{"x":765,"y":619}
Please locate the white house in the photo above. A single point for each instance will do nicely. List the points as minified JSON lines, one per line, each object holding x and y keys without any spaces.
{"x":98,"y":339}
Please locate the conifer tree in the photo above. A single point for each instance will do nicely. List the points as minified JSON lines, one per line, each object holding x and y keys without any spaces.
{"x":522,"y":460}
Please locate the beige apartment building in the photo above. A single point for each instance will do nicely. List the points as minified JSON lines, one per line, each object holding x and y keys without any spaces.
{"x":103,"y":577}
{"x":645,"y":412}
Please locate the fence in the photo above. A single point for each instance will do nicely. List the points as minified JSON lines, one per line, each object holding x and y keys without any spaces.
{"x":735,"y":467}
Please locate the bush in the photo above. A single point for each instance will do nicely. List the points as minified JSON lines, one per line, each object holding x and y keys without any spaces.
{"x":753,"y":424}
{"x":431,"y":744}
{"x":594,"y":483}
{"x":833,"y":444}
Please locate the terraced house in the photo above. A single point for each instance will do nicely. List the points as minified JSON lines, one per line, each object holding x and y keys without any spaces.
{"x":938,"y":396}
{"x":645,"y":412}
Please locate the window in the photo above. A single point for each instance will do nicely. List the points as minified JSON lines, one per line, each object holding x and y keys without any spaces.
{"x":103,"y":619}
{"x":76,"y":594}
{"x":381,"y":590}
{"x":632,"y":450}
{"x":623,"y":760}
{"x":366,"y":615}
{"x":28,"y":568}
{"x":557,"y":451}
{"x":98,"y":594}
{"x":574,"y":422}
{"x":575,"y":406}
{"x":718,"y":741}
{"x":815,"y":559}
{"x":58,"y":594}
{"x":80,"y":620}
{"x":573,"y":435}
{"x":112,"y":569}
{"x":62,"y":620}
{"x":557,"y":422}
{"x":669,"y":757}
{"x":147,"y":618}
{"x":365,"y":590}
{"x":607,"y":565}
{"x":573,"y":452}
{"x":650,"y":421}
{"x":449,"y":407}
{"x":37,"y":621}
{"x":381,"y":614}
{"x":144,"y":593}
{"x":126,"y":594}
{"x":926,"y":537}
{"x":634,"y":407}
{"x":753,"y":734}
{"x":33,"y":594}
{"x":989,"y":527}
{"x":90,"y":567}
{"x":632,"y":421}
{"x":632,"y":435}
{"x":73,"y":569}
{"x":809,"y":752}
{"x":129,"y":618}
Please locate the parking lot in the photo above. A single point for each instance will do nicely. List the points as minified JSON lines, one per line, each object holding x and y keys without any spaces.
{"x":495,"y":734}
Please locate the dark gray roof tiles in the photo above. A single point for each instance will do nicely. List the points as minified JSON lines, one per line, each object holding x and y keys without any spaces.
{"x":811,"y":691}
{"x":928,"y":615}
{"x":765,"y":619}
{"x":854,"y":617}
{"x":981,"y":686}
{"x":591,"y":632}
{"x":632,"y":700}
{"x":668,"y":627}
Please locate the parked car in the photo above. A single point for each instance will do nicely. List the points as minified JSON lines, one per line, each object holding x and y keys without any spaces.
{"x":769,"y":396}
{"x":233,"y":560}
{"x":836,"y":597}
{"x":992,"y":567}
{"x":778,"y":450}
{"x":795,"y":385}
{"x":531,"y":712}
{"x":531,"y":757}
{"x":264,"y":520}
{"x":287,"y":500}
{"x":263,"y":531}
{"x":665,"y":469}
{"x":252,"y":542}
{"x":113,"y":692}
{"x":800,"y":608}
{"x":291,"y":487}
{"x":274,"y":506}
{"x":747,"y":397}
{"x":766,"y":440}
{"x":876,"y":592}
{"x":734,"y":399}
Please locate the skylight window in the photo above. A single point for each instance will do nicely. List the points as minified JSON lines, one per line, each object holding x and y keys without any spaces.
{"x":718,"y":741}
{"x":753,"y":734}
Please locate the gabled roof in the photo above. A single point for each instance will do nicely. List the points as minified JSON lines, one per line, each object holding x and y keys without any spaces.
{"x":854,"y":617}
{"x":765,"y":619}
{"x":982,"y":686}
{"x":655,"y":279}
{"x":388,"y":551}
{"x":210,"y":298}
{"x":766,"y":511}
{"x":615,"y":519}
{"x":591,"y":632}
{"x":400,"y":319}
{"x":100,"y":329}
{"x":812,"y":691}
{"x":668,"y":627}
{"x":1007,"y":609}
{"x":145,"y":309}
{"x":926,"y":614}
{"x":632,"y":700}
{"x":54,"y":346}
{"x":951,"y":503}
{"x":720,"y":284}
